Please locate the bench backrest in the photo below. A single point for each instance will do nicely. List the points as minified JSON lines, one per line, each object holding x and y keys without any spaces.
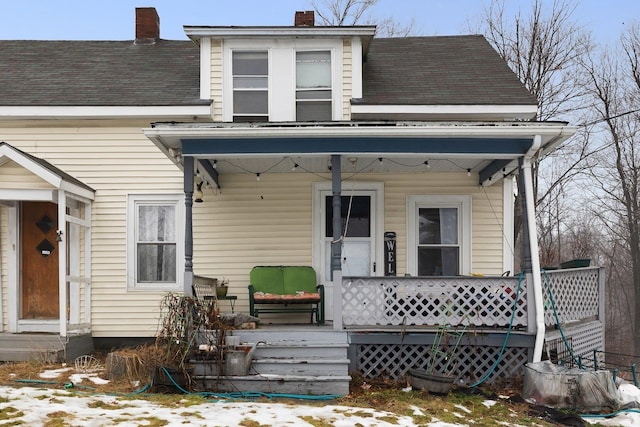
{"x":283,"y":280}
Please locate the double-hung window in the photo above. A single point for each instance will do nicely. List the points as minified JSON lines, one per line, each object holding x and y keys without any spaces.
{"x":155,"y":242}
{"x":313,"y":86}
{"x":250,"y":86}
{"x":439,"y":235}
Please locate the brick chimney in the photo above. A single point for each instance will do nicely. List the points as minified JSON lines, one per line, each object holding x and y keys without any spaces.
{"x":147,"y":25}
{"x":304,"y":19}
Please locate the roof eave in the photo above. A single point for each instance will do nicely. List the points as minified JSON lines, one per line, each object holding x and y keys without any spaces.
{"x":443,"y":112}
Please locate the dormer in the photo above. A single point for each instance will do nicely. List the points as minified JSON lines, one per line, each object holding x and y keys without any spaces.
{"x":300,"y":73}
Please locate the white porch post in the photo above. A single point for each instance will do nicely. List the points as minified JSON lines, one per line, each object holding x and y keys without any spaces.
{"x":88,"y":262}
{"x":62,"y":260}
{"x":535,"y":257}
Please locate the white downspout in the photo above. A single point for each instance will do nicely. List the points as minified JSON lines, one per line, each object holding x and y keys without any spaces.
{"x":533,"y":244}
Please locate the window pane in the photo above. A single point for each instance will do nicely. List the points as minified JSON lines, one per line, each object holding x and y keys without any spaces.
{"x":250,"y":64}
{"x":312,"y":111}
{"x":250,"y":102}
{"x":156,"y":223}
{"x":314,"y":94}
{"x":438,"y":261}
{"x":249,"y":82}
{"x":438,"y":226}
{"x":313,"y":69}
{"x":359,"y":217}
{"x":156,"y":263}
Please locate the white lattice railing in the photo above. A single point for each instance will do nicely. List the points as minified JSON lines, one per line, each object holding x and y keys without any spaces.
{"x":577,"y":295}
{"x":396,"y":301}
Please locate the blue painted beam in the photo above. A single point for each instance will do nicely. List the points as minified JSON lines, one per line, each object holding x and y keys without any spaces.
{"x":364,"y":145}
{"x":494,"y":167}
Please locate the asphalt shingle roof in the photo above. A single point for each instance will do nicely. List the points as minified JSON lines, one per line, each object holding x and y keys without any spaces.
{"x":99,"y":73}
{"x":451,"y":70}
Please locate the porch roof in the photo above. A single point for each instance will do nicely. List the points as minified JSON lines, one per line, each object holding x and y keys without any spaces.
{"x":56,"y":177}
{"x":488,"y":148}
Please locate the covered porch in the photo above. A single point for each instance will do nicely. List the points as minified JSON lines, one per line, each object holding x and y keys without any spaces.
{"x":385,"y":304}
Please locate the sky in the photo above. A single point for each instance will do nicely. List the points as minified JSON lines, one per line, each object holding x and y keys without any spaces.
{"x":115,"y":19}
{"x":34,"y":405}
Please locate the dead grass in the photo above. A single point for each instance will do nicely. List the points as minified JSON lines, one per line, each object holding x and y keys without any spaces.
{"x":381,"y":394}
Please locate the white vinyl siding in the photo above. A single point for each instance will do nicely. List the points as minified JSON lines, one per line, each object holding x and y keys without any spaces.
{"x":347,"y":78}
{"x":115,"y":161}
{"x":216,"y":79}
{"x":14,"y":176}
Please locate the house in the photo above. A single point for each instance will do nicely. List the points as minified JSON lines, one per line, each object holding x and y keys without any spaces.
{"x":386,"y":164}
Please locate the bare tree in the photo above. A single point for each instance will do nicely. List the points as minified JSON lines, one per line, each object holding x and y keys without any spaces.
{"x":543,"y":46}
{"x":613,"y":80}
{"x":358,"y":12}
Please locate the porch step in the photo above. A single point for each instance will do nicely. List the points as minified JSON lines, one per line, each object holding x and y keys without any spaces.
{"x":317,"y":366}
{"x":295,"y":360}
{"x":288,"y":384}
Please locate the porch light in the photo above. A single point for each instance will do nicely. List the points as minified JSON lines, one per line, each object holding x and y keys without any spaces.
{"x":258,"y":176}
{"x":59,"y":235}
{"x":426,"y":163}
{"x":198,"y":193}
{"x":468,"y":172}
{"x":215,"y":164}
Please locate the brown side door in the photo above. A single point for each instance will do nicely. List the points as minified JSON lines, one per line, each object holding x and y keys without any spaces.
{"x":39,"y":261}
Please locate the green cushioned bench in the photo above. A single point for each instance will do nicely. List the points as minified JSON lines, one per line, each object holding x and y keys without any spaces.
{"x":286,"y":289}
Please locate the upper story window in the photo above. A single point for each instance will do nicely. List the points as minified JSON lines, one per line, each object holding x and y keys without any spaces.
{"x":313,"y":86}
{"x":281,"y":80}
{"x":250,"y":86}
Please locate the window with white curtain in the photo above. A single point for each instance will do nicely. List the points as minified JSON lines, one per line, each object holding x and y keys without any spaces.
{"x":439,"y":230}
{"x":313,"y":86}
{"x":155,"y":259}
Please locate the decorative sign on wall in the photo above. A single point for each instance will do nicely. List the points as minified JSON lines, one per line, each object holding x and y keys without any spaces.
{"x":389,"y":253}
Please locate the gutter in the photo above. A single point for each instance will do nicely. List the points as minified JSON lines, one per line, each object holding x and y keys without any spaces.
{"x":533,"y":243}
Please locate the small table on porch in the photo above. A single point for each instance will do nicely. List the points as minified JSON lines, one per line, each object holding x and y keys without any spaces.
{"x":231,"y":298}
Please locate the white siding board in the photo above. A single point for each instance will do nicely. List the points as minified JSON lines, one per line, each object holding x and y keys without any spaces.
{"x":115,"y":162}
{"x":14,"y":176}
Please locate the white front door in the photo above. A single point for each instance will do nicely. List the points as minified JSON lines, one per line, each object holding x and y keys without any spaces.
{"x":362,"y":250}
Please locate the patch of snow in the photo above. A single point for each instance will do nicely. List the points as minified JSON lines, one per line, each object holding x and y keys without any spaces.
{"x":467,"y":410}
{"x":53,"y":373}
{"x":489,"y":403}
{"x":417,"y":411}
{"x":33,"y":406}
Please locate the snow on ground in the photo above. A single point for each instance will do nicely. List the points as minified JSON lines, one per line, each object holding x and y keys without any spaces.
{"x":33,"y":405}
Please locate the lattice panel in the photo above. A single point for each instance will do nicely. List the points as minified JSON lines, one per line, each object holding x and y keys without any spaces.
{"x":575,"y":293}
{"x":395,"y":301}
{"x":583,"y":338}
{"x":470,"y":363}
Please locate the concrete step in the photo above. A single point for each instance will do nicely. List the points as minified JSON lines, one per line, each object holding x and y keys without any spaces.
{"x":31,"y":355}
{"x":43,"y":347}
{"x":279,"y":384}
